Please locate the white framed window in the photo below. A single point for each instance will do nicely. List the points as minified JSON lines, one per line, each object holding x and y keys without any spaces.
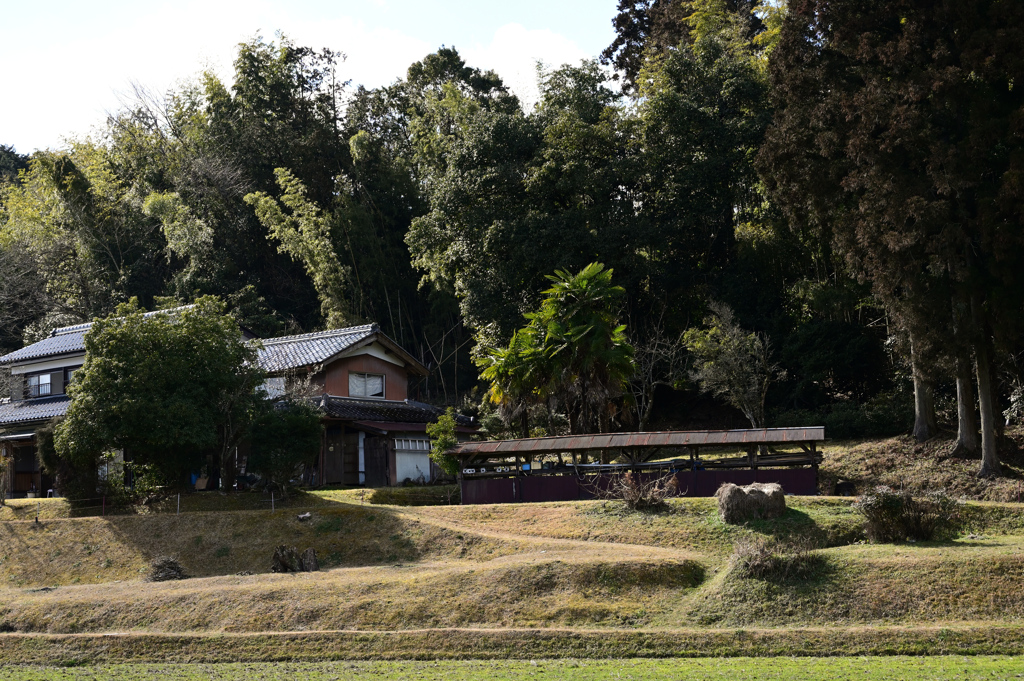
{"x":365,"y":385}
{"x":412,"y":444}
{"x":39,"y":385}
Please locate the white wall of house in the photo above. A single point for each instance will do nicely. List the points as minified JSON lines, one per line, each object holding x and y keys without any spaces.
{"x":62,"y":363}
{"x":375,"y":350}
{"x":412,"y":459}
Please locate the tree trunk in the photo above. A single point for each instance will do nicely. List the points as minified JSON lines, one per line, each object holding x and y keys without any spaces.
{"x":644,"y":409}
{"x":924,"y":402}
{"x":989,"y":456}
{"x":227,"y":470}
{"x":966,"y":445}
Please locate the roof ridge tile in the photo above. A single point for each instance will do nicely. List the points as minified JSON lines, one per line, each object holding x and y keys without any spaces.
{"x":329,"y":333}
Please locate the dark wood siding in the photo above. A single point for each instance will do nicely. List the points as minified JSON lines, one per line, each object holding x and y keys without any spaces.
{"x":376,"y":453}
{"x":334,"y":471}
{"x":351,"y":453}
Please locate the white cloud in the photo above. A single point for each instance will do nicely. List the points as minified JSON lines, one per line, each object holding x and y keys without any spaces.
{"x":85,"y":72}
{"x":65,"y":86}
{"x":514,"y":51}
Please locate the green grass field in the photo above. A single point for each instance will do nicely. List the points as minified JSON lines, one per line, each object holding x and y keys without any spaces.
{"x":732,"y":669}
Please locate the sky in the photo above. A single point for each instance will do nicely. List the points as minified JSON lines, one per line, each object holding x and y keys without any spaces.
{"x":68,"y":64}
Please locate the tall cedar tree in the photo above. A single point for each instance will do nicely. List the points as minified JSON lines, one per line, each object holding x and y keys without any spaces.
{"x":644,"y":28}
{"x":898,"y":135}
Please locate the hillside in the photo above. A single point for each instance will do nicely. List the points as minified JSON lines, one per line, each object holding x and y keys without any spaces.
{"x":900,"y":462}
{"x":577,"y":578}
{"x":587,"y":579}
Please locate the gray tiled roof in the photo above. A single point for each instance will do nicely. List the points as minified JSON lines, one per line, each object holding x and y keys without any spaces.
{"x":407,"y":411}
{"x":60,"y":342}
{"x":63,"y":341}
{"x":23,"y":411}
{"x":293,"y":352}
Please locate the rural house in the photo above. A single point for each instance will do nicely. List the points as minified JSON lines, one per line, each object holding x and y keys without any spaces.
{"x":374,"y":434}
{"x":40,"y":374}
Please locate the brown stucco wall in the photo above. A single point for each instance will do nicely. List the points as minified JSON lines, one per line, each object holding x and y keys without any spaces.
{"x":396,"y":379}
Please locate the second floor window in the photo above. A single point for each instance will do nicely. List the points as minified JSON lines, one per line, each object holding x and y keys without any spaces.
{"x":365,"y":385}
{"x":39,"y":385}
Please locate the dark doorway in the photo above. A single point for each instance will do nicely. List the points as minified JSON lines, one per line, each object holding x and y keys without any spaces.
{"x":375,"y":453}
{"x":334,"y":469}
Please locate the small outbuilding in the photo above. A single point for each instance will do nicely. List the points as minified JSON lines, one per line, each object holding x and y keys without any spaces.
{"x":576,"y":467}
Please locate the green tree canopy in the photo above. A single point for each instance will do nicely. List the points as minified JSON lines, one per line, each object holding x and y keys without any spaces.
{"x":895,"y":137}
{"x":732,"y":363}
{"x":166,"y":388}
{"x":285,"y":436}
{"x":573,"y":352}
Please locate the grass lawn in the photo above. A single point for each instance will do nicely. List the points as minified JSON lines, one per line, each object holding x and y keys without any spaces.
{"x":733,"y":669}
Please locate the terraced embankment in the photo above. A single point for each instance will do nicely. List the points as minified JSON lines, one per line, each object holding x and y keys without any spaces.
{"x":584,"y":579}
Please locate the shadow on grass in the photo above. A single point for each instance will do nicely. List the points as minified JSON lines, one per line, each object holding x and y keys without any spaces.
{"x":797,"y":525}
{"x":224,"y":542}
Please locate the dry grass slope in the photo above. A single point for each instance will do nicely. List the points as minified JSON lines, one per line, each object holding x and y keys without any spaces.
{"x":96,"y":550}
{"x":582,"y":578}
{"x":902,"y":463}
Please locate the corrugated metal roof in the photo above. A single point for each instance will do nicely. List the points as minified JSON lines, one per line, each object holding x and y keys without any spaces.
{"x":391,"y":411}
{"x":293,"y":352}
{"x":23,"y":411}
{"x":64,"y":340}
{"x":669,"y":438}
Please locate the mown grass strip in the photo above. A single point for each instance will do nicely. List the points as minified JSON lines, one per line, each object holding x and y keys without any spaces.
{"x":436,"y":644}
{"x":733,"y":669}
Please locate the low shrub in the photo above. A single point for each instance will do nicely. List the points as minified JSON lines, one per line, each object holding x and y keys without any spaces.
{"x":638,"y":494}
{"x":417,"y":495}
{"x":769,"y":559}
{"x":897,"y":516}
{"x":885,"y":415}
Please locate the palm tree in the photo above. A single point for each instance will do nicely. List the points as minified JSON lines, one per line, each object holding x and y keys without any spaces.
{"x":513,"y":373}
{"x":589,"y":358}
{"x":573,"y":352}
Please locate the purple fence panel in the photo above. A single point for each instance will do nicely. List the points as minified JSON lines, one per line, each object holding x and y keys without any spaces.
{"x":488,"y":491}
{"x":735,"y":477}
{"x":802,"y":481}
{"x":550,"y":488}
{"x":704,"y":483}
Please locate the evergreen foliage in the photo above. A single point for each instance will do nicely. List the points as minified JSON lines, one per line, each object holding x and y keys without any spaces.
{"x":166,"y":389}
{"x":285,"y":436}
{"x":443,"y":439}
{"x":844,"y":176}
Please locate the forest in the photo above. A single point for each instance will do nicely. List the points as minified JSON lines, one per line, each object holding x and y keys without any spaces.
{"x":835,"y":186}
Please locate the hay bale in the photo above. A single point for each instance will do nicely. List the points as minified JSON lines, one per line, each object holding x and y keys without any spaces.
{"x":164,"y":569}
{"x":756,"y":501}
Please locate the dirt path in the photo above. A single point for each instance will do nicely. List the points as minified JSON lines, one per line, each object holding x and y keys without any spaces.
{"x":615,"y":550}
